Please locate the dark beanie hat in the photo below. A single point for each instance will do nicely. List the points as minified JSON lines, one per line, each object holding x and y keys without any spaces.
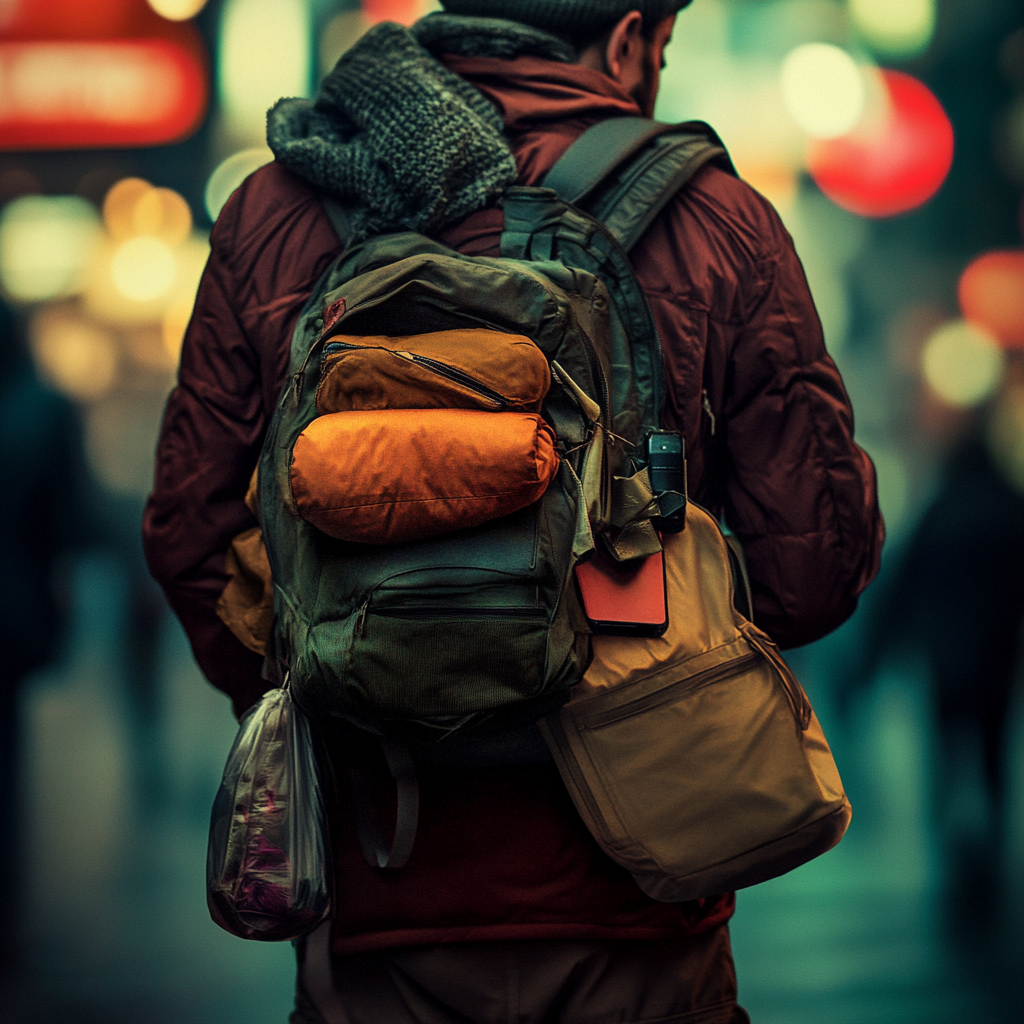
{"x":565,"y":17}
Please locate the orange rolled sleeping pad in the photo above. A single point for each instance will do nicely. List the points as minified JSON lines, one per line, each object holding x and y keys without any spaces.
{"x":393,"y":475}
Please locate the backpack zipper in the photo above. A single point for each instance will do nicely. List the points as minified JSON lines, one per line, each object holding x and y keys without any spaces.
{"x":445,"y":370}
{"x":428,"y":611}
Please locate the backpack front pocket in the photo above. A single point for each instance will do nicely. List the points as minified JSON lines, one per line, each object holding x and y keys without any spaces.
{"x":458,"y":369}
{"x":437,"y":645}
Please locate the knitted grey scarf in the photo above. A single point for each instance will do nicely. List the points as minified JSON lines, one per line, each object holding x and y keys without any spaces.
{"x":397,"y":134}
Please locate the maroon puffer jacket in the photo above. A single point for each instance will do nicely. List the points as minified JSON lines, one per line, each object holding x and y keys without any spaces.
{"x":768,"y":427}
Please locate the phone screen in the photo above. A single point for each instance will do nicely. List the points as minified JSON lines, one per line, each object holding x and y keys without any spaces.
{"x":624,"y":598}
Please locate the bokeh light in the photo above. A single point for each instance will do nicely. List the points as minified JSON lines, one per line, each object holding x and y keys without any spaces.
{"x":962,"y":364}
{"x":405,"y":12}
{"x":823,"y":89}
{"x":230,"y":173}
{"x":133,"y":207}
{"x":991,"y":294}
{"x":264,"y":54}
{"x":896,"y":28}
{"x":119,"y":206}
{"x":46,"y":243}
{"x":177,"y":10}
{"x":76,"y":356}
{"x":143,"y":268}
{"x":893,"y":162}
{"x":145,"y":281}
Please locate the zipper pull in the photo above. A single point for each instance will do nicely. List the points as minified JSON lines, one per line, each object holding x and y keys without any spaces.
{"x":360,"y":627}
{"x":297,"y":381}
{"x":705,"y":404}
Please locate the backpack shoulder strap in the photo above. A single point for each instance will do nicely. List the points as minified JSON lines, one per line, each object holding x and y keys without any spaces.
{"x":597,"y":152}
{"x":625,"y":170}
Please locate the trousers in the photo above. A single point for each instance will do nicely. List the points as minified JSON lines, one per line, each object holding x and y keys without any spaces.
{"x":688,"y":980}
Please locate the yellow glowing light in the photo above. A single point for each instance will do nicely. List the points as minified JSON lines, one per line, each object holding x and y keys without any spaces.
{"x":164,"y":214}
{"x":962,"y":364}
{"x":77,"y":357}
{"x":46,"y":243}
{"x":143,"y":268}
{"x":108,"y":303}
{"x":823,"y":89}
{"x":119,"y":206}
{"x":230,"y":174}
{"x":264,"y":55}
{"x":897,"y":28}
{"x":177,"y":10}
{"x":133,"y":207}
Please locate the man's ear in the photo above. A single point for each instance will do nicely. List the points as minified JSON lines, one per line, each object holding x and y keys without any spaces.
{"x":625,"y":45}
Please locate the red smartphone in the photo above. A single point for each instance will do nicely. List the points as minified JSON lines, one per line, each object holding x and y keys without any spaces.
{"x":624,"y":598}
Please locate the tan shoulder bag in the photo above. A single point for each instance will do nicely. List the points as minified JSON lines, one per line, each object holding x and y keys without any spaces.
{"x":695,"y":758}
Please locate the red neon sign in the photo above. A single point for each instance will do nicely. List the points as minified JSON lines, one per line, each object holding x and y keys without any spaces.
{"x":142,"y":82}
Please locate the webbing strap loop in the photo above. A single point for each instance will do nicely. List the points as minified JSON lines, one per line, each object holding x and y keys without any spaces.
{"x":378,"y":851}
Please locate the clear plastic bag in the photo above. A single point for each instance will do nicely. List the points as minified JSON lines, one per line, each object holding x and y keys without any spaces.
{"x":267,"y":864}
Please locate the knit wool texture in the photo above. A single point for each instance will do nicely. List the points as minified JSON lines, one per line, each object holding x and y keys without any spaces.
{"x":566,"y":17}
{"x":395,"y":134}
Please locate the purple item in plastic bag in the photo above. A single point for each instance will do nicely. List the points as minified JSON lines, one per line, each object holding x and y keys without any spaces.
{"x":267,"y":866}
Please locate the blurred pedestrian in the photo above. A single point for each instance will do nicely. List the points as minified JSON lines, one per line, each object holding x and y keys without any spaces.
{"x":955,"y":600}
{"x":42,"y":519}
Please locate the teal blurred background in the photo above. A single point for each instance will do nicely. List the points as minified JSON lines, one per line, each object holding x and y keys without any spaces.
{"x":840,"y":112}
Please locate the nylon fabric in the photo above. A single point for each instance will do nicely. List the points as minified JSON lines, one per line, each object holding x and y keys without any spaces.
{"x":246,"y":606}
{"x":694,"y":757}
{"x":458,"y":369}
{"x":386,"y":477}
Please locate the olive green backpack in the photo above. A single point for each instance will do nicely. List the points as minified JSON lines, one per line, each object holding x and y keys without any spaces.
{"x":451,"y":647}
